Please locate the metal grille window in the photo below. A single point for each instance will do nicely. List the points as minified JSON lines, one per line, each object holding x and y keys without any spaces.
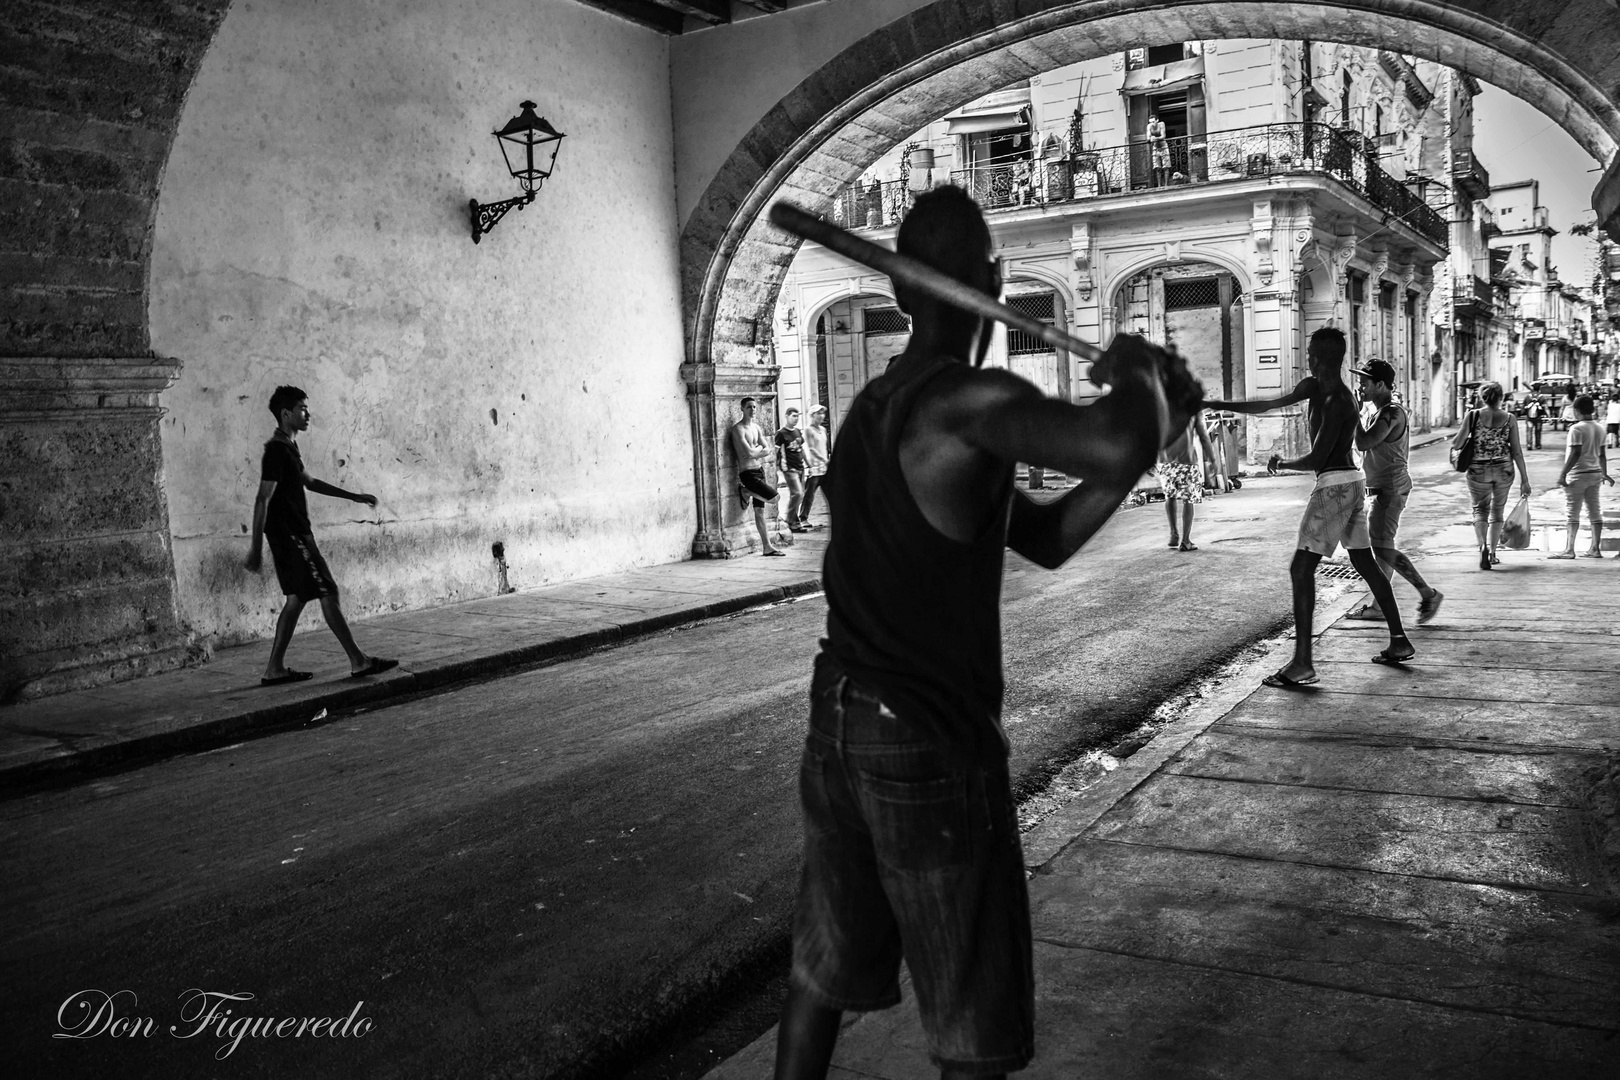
{"x":1386,"y":296}
{"x":1191,"y":293}
{"x":1042,"y":306}
{"x":886,"y":320}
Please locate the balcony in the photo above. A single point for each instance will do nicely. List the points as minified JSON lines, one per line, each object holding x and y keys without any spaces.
{"x":1190,"y":161}
{"x":1473,"y":296}
{"x":1468,"y":175}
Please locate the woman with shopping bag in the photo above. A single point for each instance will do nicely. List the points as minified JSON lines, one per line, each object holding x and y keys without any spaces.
{"x":1489,"y":442}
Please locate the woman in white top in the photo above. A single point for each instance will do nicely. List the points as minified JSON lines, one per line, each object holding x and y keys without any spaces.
{"x":1586,"y":468}
{"x":1496,"y":452}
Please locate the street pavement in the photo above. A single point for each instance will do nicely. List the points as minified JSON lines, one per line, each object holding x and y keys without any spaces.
{"x":1393,"y":873}
{"x":1196,"y":907}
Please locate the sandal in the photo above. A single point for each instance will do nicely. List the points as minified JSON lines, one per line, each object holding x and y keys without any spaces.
{"x":1562,"y":555}
{"x":1281,"y":681}
{"x":1187,"y":545}
{"x":1367,"y":613}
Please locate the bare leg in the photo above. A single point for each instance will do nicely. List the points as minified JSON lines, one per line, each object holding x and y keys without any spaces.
{"x":1170,"y":512}
{"x":1186,"y":521}
{"x":1367,"y":566}
{"x":759,"y":523}
{"x":285,"y":623}
{"x":340,"y":629}
{"x":805,"y":1036}
{"x":1393,"y":559}
{"x":1302,"y":572}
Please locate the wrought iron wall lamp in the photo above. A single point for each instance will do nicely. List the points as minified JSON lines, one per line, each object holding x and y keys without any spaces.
{"x":529,"y":145}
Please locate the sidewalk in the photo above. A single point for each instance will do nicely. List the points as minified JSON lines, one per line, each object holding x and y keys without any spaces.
{"x":435,"y":646}
{"x":1384,"y":875}
{"x":221,"y":699}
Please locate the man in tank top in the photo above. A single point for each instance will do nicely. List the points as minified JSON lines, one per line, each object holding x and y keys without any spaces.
{"x":911,"y":834}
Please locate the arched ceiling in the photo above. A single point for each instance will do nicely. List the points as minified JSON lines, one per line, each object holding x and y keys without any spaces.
{"x":1562,"y":57}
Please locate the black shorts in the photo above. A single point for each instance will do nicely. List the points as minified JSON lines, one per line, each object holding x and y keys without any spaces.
{"x":753,"y":485}
{"x":300,"y":568}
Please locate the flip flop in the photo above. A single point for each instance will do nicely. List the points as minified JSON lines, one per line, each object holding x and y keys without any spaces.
{"x":1175,"y":541}
{"x":777,"y":551}
{"x":374,"y":666}
{"x":1367,"y":613}
{"x":1391,"y":661}
{"x":1188,"y":545}
{"x":291,"y":676}
{"x":1283,"y":682}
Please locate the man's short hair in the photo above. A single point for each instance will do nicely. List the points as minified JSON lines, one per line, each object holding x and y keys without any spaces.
{"x":1583,"y":404}
{"x":946,"y":229}
{"x":792,"y":412}
{"x":285,"y":397}
{"x":1329,"y":342}
{"x":746,"y":401}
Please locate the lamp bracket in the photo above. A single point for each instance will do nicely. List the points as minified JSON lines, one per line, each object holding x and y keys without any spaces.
{"x":485,"y":215}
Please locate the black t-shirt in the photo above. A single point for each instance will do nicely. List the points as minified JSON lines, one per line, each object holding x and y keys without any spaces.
{"x":288,"y":513}
{"x":791,"y":440}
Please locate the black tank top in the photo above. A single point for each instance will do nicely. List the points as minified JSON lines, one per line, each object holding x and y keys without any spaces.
{"x":912,"y":614}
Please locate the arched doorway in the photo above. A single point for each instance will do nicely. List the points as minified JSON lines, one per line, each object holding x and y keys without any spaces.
{"x":859,"y":104}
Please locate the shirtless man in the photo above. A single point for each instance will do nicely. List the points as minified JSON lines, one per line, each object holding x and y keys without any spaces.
{"x":1337,"y":510}
{"x":1182,"y":483}
{"x":748,"y":442}
{"x":911,"y":836}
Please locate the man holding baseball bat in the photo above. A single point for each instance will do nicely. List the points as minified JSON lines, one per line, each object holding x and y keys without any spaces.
{"x":911,"y":835}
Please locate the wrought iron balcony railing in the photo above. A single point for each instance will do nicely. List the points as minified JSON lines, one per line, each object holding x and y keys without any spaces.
{"x":1472,"y":296}
{"x":1221,"y":156}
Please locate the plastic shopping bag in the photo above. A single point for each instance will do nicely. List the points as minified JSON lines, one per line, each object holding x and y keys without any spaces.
{"x":1516,"y":529}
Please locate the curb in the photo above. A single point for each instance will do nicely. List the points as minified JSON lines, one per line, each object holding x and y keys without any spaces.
{"x":64,"y":761}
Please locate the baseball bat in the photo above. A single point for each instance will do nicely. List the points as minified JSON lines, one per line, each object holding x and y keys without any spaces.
{"x":904,"y":270}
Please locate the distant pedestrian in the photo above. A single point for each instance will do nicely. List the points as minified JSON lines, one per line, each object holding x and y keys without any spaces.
{"x":1535,"y":415}
{"x":1490,"y":474}
{"x":281,"y":517}
{"x":1158,"y":150}
{"x":911,"y":833}
{"x":748,"y":443}
{"x":1336,"y":512}
{"x":1385,"y":444}
{"x":1586,"y":470}
{"x":790,"y":465}
{"x":1225,"y":432}
{"x":1612,"y":419}
{"x":815,"y":461}
{"x":1184,"y":480}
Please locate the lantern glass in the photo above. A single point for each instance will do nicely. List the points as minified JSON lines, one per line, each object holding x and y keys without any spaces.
{"x":529,"y":145}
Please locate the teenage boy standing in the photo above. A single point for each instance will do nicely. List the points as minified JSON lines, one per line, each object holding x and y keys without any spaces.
{"x":281,"y":516}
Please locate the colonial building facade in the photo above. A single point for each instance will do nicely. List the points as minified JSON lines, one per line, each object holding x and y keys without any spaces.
{"x":1225,"y":197}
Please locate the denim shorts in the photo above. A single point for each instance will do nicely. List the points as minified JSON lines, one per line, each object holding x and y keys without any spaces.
{"x":909,"y":852}
{"x":1384,"y":519}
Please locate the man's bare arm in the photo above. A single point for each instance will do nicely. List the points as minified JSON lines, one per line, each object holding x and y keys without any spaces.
{"x":261,"y":506}
{"x":1048,"y":534}
{"x":1261,"y":405}
{"x":321,"y":487}
{"x":1368,"y":437}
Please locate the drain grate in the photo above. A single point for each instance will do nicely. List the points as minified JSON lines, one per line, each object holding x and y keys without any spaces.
{"x":1341,"y":571}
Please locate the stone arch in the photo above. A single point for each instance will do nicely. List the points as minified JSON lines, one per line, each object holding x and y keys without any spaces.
{"x":1109,"y":289}
{"x":879,"y":90}
{"x":1059,"y":282}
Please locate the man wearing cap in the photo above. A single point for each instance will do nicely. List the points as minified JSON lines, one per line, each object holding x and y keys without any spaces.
{"x":815,"y":461}
{"x":1385,"y":444}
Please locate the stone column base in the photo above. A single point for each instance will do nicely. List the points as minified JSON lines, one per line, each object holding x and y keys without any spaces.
{"x":87,"y":591}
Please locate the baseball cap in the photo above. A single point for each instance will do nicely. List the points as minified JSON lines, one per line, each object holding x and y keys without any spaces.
{"x":1378,"y":371}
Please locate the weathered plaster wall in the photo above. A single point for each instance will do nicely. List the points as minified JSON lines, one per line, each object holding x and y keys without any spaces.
{"x":312,"y":229}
